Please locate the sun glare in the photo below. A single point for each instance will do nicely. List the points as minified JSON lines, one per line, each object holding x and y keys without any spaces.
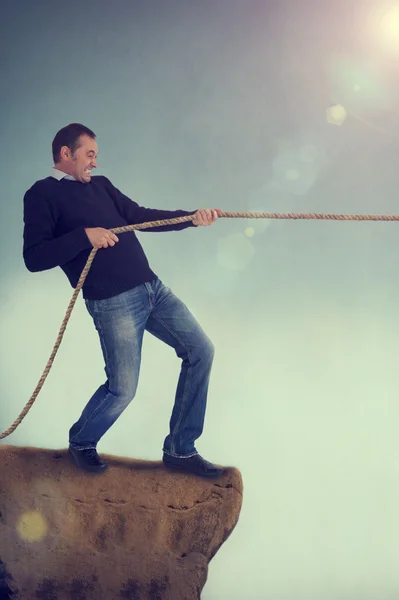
{"x":389,"y":25}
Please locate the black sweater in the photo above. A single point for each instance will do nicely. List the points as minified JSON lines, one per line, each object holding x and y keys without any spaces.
{"x":56,"y":214}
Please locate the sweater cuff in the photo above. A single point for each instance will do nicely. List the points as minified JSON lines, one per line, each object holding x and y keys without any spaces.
{"x":82,"y":241}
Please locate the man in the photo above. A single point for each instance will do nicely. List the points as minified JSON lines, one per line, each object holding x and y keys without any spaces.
{"x":65,"y":216}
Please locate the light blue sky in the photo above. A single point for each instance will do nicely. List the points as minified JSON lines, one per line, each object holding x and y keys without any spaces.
{"x":224,"y":104}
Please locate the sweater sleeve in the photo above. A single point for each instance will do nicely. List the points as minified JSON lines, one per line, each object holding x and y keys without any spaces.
{"x":41,"y":250}
{"x":134,"y":214}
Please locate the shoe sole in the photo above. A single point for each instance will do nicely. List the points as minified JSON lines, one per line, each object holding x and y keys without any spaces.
{"x":185,"y":470}
{"x":86,"y":468}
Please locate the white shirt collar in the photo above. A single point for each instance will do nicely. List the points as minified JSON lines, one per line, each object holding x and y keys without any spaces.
{"x":57,"y":174}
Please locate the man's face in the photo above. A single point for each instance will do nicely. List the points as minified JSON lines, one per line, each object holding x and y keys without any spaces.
{"x":80,"y":164}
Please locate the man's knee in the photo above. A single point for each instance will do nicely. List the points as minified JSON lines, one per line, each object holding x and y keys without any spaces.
{"x":208,"y":349}
{"x":123,"y":387}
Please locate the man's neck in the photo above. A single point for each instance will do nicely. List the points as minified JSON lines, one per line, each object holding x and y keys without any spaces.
{"x":61,"y":169}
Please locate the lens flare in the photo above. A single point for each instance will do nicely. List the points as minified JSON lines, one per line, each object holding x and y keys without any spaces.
{"x":31,"y":526}
{"x":389,"y":26}
{"x":235,"y":252}
{"x":249,"y":232}
{"x":336,"y":114}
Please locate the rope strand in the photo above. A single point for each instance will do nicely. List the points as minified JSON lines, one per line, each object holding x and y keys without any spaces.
{"x":175,"y":221}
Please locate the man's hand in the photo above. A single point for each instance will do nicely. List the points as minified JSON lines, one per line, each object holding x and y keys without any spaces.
{"x":206,"y":216}
{"x":100,"y":237}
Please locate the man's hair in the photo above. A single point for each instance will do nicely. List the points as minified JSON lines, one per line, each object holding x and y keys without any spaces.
{"x":69,"y":136}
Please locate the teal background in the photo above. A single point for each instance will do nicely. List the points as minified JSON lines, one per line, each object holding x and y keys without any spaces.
{"x":225,"y":104}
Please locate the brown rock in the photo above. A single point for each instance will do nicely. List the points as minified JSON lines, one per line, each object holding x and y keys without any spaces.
{"x":135,"y":532}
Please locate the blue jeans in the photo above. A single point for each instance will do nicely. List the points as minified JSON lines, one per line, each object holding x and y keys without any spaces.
{"x":120,"y":322}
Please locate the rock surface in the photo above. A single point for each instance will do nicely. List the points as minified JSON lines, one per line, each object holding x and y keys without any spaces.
{"x":135,"y":532}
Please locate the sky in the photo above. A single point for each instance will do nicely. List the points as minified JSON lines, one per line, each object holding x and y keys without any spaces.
{"x":247,"y":106}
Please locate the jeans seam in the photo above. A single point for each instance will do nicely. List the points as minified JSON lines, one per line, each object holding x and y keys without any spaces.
{"x":95,"y":411}
{"x":184,"y":395}
{"x":91,"y":416}
{"x":148,"y":287}
{"x":181,"y":455}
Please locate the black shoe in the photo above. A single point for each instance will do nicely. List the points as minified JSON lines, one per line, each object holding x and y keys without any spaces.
{"x":88,"y":459}
{"x":195,"y":464}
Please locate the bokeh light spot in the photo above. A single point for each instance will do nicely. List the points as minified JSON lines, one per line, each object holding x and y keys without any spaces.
{"x":336,"y":114}
{"x":235,"y":252}
{"x":258,"y":225}
{"x":308,"y":153}
{"x":31,"y":526}
{"x":292,"y":174}
{"x":249,"y":232}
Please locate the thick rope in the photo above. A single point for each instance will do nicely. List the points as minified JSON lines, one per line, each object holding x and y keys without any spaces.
{"x":147,"y":225}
